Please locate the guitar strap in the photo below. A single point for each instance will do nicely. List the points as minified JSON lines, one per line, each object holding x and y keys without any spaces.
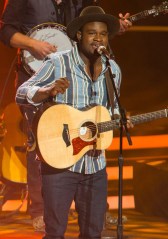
{"x":110,"y":90}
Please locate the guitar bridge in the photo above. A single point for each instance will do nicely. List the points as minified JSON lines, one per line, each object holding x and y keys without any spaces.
{"x":65,"y":135}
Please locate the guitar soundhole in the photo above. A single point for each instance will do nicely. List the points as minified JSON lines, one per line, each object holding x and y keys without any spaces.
{"x":88,"y":131}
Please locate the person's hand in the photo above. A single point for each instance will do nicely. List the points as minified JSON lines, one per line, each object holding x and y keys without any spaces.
{"x":40,"y":49}
{"x":59,"y":86}
{"x":125,"y":24}
{"x":128,"y":118}
{"x":129,"y":123}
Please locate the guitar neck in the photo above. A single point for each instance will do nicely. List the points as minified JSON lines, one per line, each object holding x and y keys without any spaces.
{"x":149,"y":116}
{"x":137,"y":119}
{"x":141,"y":15}
{"x":155,"y":11}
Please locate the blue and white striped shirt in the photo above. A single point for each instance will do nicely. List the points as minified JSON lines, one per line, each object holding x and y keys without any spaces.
{"x":81,"y":93}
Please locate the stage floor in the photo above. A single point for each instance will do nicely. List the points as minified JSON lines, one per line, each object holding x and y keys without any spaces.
{"x":138,"y":226}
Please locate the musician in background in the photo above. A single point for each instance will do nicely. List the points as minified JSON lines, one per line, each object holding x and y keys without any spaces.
{"x":18,"y":18}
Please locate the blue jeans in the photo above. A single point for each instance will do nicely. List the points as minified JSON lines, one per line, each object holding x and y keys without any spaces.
{"x":90,"y":195}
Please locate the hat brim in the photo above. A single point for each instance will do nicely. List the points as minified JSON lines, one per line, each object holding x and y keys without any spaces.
{"x":112,"y":22}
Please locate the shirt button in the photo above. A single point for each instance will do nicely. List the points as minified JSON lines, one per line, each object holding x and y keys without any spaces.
{"x":52,"y":13}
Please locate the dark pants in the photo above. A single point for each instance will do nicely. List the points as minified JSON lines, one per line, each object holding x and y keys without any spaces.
{"x":33,"y":172}
{"x":34,"y":185}
{"x":33,"y":168}
{"x":90,"y":195}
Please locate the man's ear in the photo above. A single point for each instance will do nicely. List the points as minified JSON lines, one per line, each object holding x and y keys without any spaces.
{"x":79,"y":35}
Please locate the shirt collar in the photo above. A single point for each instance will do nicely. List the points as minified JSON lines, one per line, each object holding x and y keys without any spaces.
{"x":78,"y":60}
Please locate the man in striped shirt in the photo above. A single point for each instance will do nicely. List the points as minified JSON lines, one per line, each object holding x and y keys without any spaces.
{"x":76,"y":78}
{"x":18,"y":19}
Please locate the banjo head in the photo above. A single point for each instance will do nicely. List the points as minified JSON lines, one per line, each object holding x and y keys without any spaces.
{"x":52,"y":33}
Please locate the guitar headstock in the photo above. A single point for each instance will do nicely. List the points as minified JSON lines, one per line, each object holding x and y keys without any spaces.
{"x":162,"y":8}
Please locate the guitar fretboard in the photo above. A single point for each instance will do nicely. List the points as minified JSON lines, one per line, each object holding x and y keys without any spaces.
{"x":155,"y":11}
{"x":141,"y":15}
{"x":137,"y":119}
{"x":149,"y":116}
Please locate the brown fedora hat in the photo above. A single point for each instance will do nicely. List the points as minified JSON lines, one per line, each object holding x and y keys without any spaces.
{"x":93,"y":14}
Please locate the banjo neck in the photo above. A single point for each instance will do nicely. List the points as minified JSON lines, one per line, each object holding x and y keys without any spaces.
{"x":154,"y":11}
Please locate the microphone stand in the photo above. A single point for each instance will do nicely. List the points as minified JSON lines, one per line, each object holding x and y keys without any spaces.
{"x":123,"y":124}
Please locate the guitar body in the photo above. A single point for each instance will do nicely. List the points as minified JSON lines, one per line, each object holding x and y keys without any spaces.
{"x":13,"y":156}
{"x":64,"y":134}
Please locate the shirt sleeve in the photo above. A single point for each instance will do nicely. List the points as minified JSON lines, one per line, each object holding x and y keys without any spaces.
{"x":43,"y":78}
{"x":11,"y":19}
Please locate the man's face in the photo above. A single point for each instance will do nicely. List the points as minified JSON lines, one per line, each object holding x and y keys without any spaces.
{"x":92,"y":35}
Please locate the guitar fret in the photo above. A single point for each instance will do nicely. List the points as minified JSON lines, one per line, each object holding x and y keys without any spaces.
{"x":140,"y":15}
{"x":155,"y":11}
{"x":151,"y":11}
{"x":106,"y":126}
{"x":115,"y":124}
{"x":148,"y":117}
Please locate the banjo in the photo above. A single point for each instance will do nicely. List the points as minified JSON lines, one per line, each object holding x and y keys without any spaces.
{"x":55,"y":34}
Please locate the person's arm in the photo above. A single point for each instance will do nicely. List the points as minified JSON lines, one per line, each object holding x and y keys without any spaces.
{"x":42,"y":85}
{"x":11,"y":20}
{"x":11,"y":31}
{"x":38,"y":49}
{"x":59,"y":86}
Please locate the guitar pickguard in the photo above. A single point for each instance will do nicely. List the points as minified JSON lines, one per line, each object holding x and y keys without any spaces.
{"x":79,"y":144}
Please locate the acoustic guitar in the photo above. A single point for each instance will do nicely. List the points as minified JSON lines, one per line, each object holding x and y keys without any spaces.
{"x":13,"y":146}
{"x":64,"y":134}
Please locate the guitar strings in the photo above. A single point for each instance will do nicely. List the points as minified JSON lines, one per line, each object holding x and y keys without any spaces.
{"x":105,"y":126}
{"x":110,"y":125}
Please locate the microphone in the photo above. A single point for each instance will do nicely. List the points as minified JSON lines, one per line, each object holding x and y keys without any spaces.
{"x":103,"y":51}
